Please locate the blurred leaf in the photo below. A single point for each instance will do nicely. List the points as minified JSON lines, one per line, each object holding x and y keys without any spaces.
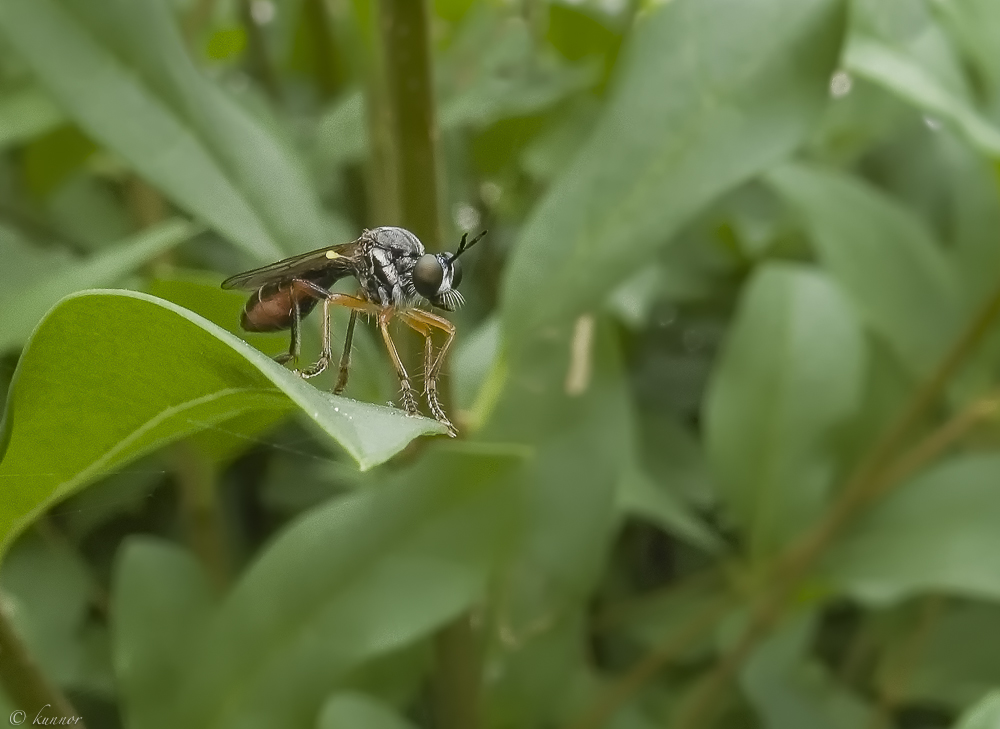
{"x":120,"y":69}
{"x":171,"y":374}
{"x":791,"y":374}
{"x":51,"y":159}
{"x":984,"y":715}
{"x":672,"y":454}
{"x":975,"y":25}
{"x":475,"y":355}
{"x":640,"y":496}
{"x":883,"y":257}
{"x":342,"y":134}
{"x":48,"y":591}
{"x":25,"y":113}
{"x":123,"y":493}
{"x":554,"y":148}
{"x":937,"y":532}
{"x":162,"y":602}
{"x":581,"y":441}
{"x":349,"y":581}
{"x":959,"y":658}
{"x":89,"y":211}
{"x":975,"y":215}
{"x":494,"y":71}
{"x":898,"y":45}
{"x":354,"y":710}
{"x":26,"y":303}
{"x":791,"y":692}
{"x":581,"y":438}
{"x":535,"y":666}
{"x":656,"y":158}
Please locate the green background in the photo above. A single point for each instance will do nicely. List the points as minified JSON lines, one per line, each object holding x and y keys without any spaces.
{"x":726,"y":380}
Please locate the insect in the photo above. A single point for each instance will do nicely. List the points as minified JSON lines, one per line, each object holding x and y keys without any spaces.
{"x":394,"y":274}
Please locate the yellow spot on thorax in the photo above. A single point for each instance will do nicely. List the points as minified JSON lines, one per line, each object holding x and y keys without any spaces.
{"x":333,"y":254}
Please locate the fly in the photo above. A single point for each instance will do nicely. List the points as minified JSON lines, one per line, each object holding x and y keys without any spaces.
{"x":394,"y":274}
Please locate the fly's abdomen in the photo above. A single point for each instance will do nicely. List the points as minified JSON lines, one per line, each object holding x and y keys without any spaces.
{"x":272,"y":308}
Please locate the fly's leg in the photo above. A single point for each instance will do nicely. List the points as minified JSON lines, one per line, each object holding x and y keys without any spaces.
{"x":422,"y":322}
{"x":325,"y":355}
{"x":351,"y":302}
{"x":345,"y":358}
{"x":407,"y":397}
{"x":295,"y":345}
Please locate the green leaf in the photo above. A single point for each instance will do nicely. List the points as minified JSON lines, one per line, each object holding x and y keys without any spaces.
{"x":700,"y":105}
{"x":47,"y":591}
{"x":641,"y":496}
{"x":975,"y":26}
{"x":791,"y":692}
{"x":937,"y":533}
{"x":120,"y":70}
{"x":161,"y":602}
{"x":790,"y":375}
{"x":25,"y":113}
{"x":959,"y":659}
{"x":884,"y":259}
{"x":903,"y":76}
{"x":493,"y":71}
{"x":984,"y":715}
{"x":110,"y":375}
{"x":354,"y":710}
{"x":581,"y":439}
{"x":351,"y":580}
{"x":27,"y":301}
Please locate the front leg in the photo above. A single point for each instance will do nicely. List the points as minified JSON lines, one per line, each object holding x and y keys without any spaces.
{"x":422,"y":322}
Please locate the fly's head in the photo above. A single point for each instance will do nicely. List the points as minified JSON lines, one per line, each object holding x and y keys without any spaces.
{"x":436,"y":276}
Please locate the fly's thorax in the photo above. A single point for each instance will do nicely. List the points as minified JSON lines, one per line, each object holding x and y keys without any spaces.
{"x":386,"y":275}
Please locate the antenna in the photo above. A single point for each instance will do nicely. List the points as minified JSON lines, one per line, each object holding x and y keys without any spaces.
{"x":463,"y":247}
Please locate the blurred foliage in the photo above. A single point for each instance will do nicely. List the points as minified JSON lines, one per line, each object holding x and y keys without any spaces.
{"x":726,"y":379}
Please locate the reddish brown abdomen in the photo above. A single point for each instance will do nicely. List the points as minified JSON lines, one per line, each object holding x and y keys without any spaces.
{"x":271,"y":308}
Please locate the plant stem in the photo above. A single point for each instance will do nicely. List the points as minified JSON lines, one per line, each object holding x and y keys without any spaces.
{"x":327,"y":72}
{"x":873,"y":479}
{"x":405,"y":33}
{"x":455,"y":684}
{"x":24,"y":682}
{"x":405,"y":52}
{"x":196,"y":479}
{"x":258,"y":59}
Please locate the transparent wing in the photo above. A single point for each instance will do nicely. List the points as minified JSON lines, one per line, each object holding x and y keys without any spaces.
{"x":329,"y":260}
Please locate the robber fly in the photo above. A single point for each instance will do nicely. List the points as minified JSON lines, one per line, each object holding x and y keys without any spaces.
{"x":394,"y":273}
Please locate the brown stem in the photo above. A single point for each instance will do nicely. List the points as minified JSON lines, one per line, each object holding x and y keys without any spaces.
{"x":24,"y":682}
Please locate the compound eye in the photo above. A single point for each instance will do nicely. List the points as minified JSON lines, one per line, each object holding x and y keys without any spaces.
{"x":456,"y":273}
{"x":428,"y":275}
